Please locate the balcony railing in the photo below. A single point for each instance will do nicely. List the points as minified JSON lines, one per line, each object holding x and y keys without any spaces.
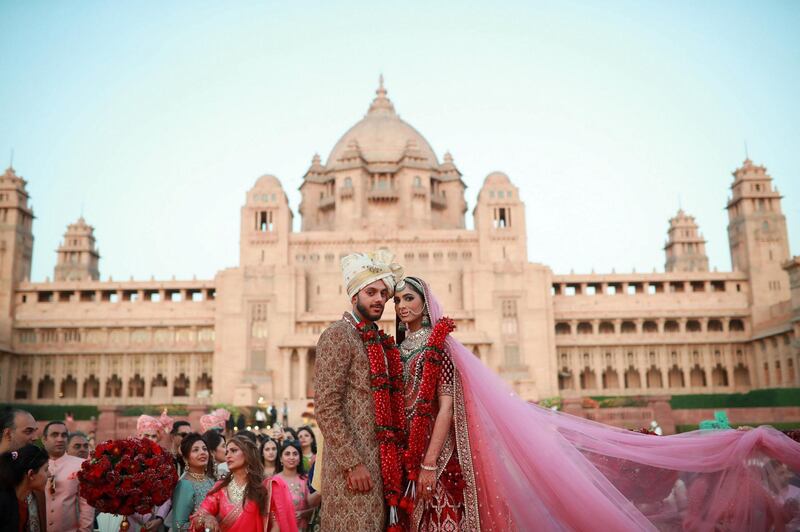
{"x":327,"y":202}
{"x":383,"y":194}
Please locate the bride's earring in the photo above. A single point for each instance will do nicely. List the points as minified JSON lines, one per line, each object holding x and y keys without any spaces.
{"x":401,"y":327}
{"x":426,"y":319}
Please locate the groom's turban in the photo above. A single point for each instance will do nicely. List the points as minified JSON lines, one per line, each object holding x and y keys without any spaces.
{"x":361,"y":269}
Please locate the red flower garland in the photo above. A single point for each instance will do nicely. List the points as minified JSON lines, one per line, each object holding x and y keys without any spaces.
{"x":419,"y":433}
{"x":386,"y":382}
{"x":127,"y":476}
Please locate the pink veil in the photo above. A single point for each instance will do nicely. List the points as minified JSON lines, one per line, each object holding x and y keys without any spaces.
{"x":536,"y":469}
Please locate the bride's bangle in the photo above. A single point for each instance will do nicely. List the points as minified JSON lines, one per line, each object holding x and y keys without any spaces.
{"x":427,"y":467}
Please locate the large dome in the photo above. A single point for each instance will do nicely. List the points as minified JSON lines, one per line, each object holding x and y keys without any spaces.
{"x":382,"y":136}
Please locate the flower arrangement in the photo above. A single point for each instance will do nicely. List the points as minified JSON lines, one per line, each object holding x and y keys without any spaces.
{"x":386,"y":382}
{"x":127,"y":476}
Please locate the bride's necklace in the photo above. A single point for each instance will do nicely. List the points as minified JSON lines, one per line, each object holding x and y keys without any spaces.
{"x":236,"y":491}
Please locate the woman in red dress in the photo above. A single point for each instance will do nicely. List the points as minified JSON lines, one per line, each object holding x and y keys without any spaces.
{"x":244,"y":501}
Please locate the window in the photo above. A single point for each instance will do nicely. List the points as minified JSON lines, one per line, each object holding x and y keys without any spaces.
{"x":348,"y":183}
{"x":417,"y":181}
{"x":27,"y":336}
{"x":502,"y":217}
{"x":736,"y":325}
{"x":264,"y":221}
{"x":606,"y":327}
{"x":510,"y":308}
{"x":512,"y":355}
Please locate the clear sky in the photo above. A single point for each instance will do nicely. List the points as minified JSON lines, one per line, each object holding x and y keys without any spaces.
{"x":155,"y":118}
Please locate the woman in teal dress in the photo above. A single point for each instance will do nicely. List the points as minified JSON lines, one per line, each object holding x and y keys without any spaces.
{"x":195,"y":482}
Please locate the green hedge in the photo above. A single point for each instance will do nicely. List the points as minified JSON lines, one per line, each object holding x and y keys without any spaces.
{"x":755,"y":398}
{"x":610,"y":401}
{"x":58,"y":412}
{"x":86,"y":412}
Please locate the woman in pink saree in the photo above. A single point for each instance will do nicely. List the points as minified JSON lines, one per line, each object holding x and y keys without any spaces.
{"x":523,"y":467}
{"x":244,"y":501}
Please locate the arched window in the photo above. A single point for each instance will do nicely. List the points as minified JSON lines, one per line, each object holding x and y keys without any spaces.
{"x":650,"y":327}
{"x":628,"y":327}
{"x":91,"y":387}
{"x":180,"y":387}
{"x":417,"y":181}
{"x":675,"y":377}
{"x":606,"y":327}
{"x":736,"y":325}
{"x":204,"y":383}
{"x":610,"y":378}
{"x":114,"y":386}
{"x":47,"y":388}
{"x":348,"y":183}
{"x":693,"y":326}
{"x":563,"y":328}
{"x":69,"y":387}
{"x":671,"y":326}
{"x":22,"y":388}
{"x":136,"y":386}
{"x":588,"y":379}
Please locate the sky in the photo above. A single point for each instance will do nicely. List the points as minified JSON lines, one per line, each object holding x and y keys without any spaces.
{"x":153,"y":119}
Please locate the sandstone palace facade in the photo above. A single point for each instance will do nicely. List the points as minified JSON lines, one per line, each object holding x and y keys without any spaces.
{"x":250,"y":331}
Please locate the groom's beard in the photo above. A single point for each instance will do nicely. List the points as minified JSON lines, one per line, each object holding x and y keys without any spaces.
{"x":368,"y":313}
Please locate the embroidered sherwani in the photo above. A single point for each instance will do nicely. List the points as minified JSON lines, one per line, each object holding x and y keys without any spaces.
{"x":66,"y":511}
{"x":346,"y":417}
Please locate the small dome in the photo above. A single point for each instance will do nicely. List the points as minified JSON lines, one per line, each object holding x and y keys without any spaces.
{"x":497,"y":178}
{"x":268,"y":181}
{"x":381,"y":136}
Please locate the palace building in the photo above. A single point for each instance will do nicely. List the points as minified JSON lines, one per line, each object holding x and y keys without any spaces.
{"x":250,"y":332}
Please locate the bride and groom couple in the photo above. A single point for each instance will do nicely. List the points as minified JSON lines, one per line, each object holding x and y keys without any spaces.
{"x":420,"y":435}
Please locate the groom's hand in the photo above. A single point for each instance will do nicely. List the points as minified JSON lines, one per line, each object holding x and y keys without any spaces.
{"x":358,"y":479}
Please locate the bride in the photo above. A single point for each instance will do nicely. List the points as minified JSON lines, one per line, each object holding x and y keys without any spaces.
{"x":479,"y":457}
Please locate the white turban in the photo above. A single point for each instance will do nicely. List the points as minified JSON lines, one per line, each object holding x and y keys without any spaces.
{"x":361,"y":269}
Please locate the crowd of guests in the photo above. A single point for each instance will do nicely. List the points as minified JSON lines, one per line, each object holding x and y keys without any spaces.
{"x":227,"y":480}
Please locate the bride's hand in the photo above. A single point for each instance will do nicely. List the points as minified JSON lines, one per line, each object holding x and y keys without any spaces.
{"x":425,"y":484}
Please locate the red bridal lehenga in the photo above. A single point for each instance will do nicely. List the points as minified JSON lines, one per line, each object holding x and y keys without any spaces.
{"x":445,"y":511}
{"x":512,"y":465}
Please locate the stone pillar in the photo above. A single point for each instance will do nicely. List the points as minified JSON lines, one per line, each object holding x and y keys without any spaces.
{"x":303,"y":384}
{"x":107,"y":423}
{"x":287,"y":372}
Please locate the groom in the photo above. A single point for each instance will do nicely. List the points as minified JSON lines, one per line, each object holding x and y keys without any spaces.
{"x":352,"y":488}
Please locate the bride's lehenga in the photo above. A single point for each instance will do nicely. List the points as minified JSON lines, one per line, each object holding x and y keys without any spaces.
{"x":446,"y":511}
{"x":528,"y":468}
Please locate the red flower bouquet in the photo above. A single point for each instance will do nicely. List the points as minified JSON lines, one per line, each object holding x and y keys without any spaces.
{"x":127,"y":476}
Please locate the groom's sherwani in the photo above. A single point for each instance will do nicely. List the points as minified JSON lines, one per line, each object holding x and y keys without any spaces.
{"x":345,"y":414}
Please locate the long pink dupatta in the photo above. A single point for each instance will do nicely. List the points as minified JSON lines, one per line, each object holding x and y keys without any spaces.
{"x":536,"y":469}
